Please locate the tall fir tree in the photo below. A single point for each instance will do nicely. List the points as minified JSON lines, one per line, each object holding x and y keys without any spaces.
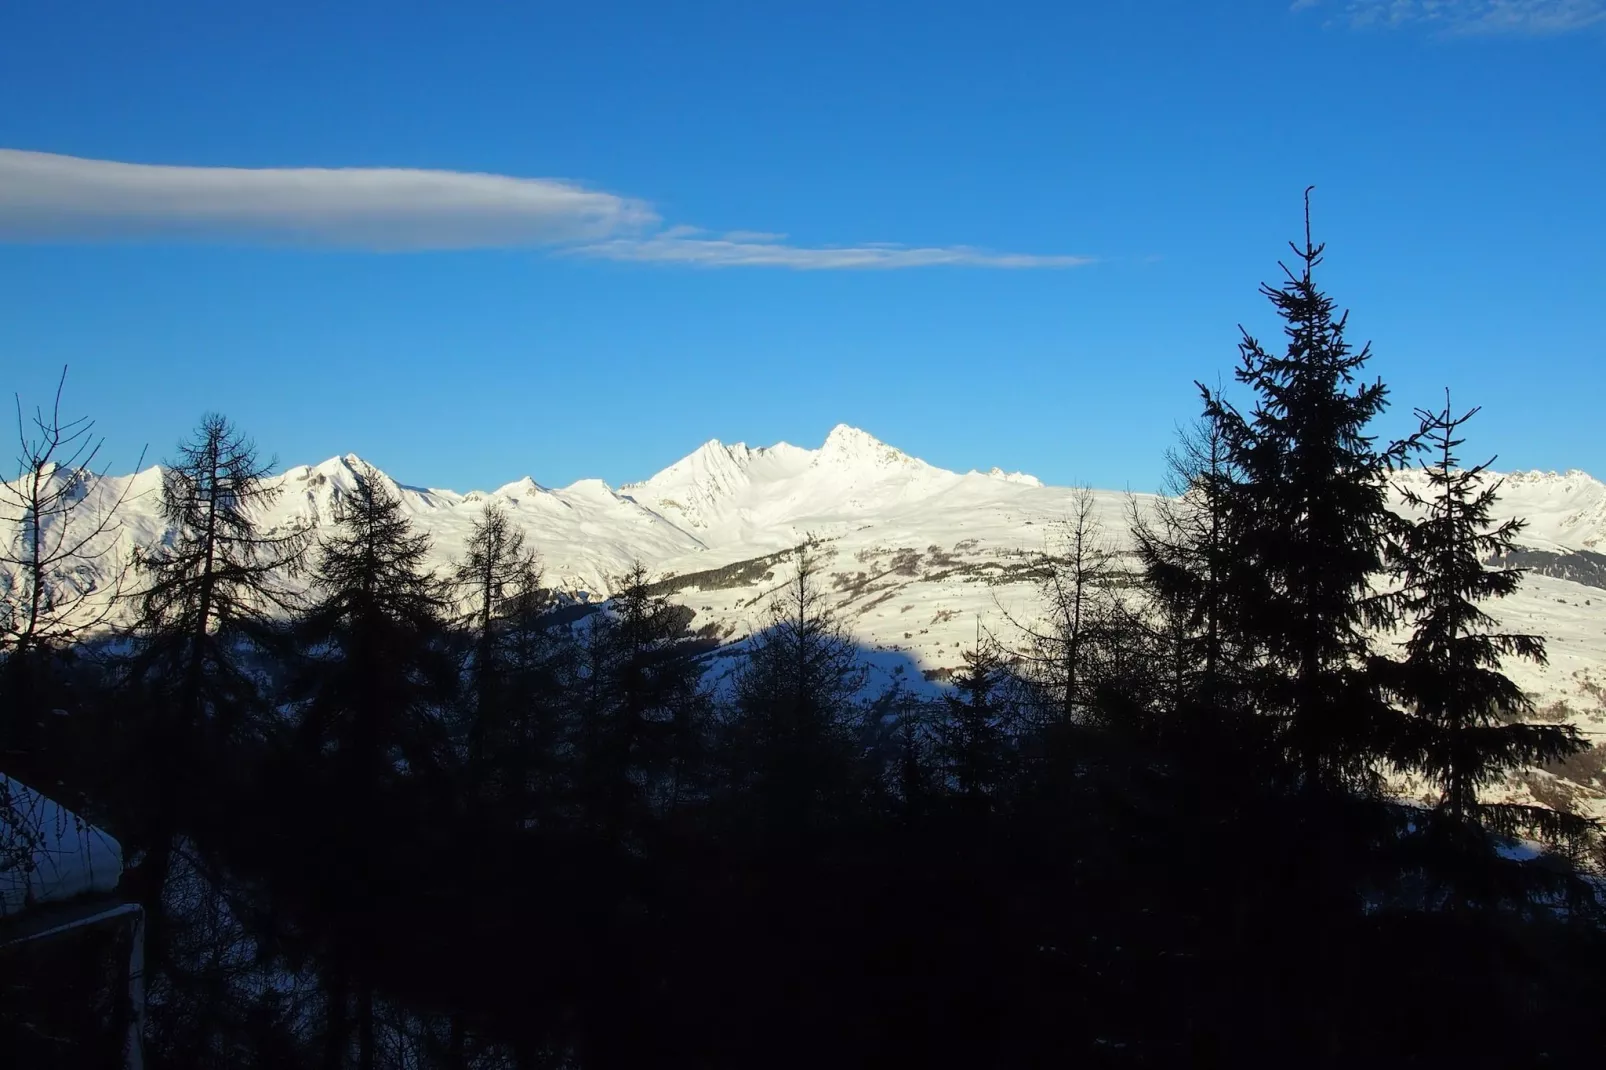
{"x":1468,"y":727}
{"x":975,"y":741}
{"x":1306,"y":504}
{"x":796,"y":705}
{"x":377,"y":670}
{"x":370,"y":742}
{"x":642,"y":706}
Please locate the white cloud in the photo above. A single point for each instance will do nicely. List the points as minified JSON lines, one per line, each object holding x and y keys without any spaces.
{"x":742,"y":249}
{"x":1468,"y":17}
{"x":46,"y":197}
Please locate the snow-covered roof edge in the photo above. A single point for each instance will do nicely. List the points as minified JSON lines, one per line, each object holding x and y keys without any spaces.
{"x":48,"y":854}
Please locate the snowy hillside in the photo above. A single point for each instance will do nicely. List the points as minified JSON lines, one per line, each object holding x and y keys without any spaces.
{"x":917,"y":555}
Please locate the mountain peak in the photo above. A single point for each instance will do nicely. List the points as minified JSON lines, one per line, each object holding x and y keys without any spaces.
{"x":847,"y":434}
{"x":721,"y":452}
{"x":346,"y":462}
{"x":847,"y":443}
{"x":712,"y":460}
{"x":519,"y":488}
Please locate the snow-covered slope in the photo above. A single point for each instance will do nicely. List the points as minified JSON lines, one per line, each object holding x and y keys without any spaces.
{"x":1564,"y":511}
{"x":754,"y":497}
{"x":48,"y":853}
{"x":917,"y":556}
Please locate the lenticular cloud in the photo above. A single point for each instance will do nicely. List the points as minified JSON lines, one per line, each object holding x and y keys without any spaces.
{"x":44,"y":196}
{"x":47,"y":197}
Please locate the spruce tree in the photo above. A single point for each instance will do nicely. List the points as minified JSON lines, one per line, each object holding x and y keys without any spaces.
{"x":1302,"y":493}
{"x":641,"y":706}
{"x":377,"y":671}
{"x":1467,"y":724}
{"x":797,"y":704}
{"x":975,"y":744}
{"x":543,"y":664}
{"x":371,"y":743}
{"x":1306,"y":509}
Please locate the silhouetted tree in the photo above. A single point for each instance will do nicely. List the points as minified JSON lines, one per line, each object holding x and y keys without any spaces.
{"x":377,"y":684}
{"x":642,"y":706}
{"x":50,"y":594}
{"x":1075,"y":576}
{"x":211,"y":595}
{"x":492,"y":582}
{"x":1185,"y":550}
{"x":975,"y":742}
{"x":1306,"y":509}
{"x":372,"y":635}
{"x":1466,"y":727}
{"x":797,"y":704}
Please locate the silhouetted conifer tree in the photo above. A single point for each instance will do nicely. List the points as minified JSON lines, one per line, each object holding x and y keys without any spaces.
{"x":209,"y":608}
{"x":371,"y":725}
{"x":1305,"y":502}
{"x":493,"y":583}
{"x":372,"y":635}
{"x":1185,"y":550}
{"x":1467,"y":728}
{"x":797,"y":704}
{"x":975,"y":745}
{"x":642,"y":706}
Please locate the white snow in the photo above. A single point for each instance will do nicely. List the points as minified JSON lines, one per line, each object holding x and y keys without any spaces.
{"x":48,"y":853}
{"x":1564,"y":511}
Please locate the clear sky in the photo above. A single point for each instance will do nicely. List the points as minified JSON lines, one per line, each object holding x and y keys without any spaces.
{"x":989,"y":233}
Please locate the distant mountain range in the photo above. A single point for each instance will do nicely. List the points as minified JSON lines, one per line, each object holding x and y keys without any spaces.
{"x":918,"y":557}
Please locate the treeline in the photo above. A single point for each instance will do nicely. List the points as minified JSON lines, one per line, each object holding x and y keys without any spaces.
{"x":381,"y":817}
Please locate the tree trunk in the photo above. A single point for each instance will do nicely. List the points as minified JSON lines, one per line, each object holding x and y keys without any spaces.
{"x":335,"y":1026}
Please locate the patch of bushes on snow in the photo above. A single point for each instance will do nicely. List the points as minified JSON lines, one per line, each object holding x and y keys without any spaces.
{"x":727,"y":577}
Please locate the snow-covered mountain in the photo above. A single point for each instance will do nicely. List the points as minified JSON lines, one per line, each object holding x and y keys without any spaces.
{"x":917,"y":555}
{"x":1565,"y":511}
{"x":743,"y":498}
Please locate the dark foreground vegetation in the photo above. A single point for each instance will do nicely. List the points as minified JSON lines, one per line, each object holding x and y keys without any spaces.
{"x":403,"y":820}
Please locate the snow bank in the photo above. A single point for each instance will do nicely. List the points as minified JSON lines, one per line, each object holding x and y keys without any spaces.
{"x":48,"y":853}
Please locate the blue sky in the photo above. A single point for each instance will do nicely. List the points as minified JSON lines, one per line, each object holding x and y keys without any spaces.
{"x":988,"y":233}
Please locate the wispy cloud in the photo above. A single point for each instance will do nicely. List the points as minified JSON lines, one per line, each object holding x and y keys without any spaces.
{"x":47,"y":197}
{"x":739,"y":249}
{"x":1471,"y":17}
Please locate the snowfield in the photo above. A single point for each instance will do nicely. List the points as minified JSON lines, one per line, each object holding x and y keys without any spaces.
{"x":917,"y":557}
